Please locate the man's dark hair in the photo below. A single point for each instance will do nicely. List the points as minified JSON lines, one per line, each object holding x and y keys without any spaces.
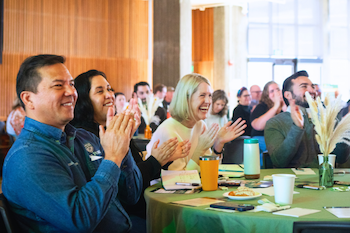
{"x":118,"y":93}
{"x":158,"y":87}
{"x":288,"y":84}
{"x":84,"y":110}
{"x":28,"y":77}
{"x":136,"y":86}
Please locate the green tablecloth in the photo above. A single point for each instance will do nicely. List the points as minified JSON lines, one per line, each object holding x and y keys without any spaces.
{"x":162,"y":216}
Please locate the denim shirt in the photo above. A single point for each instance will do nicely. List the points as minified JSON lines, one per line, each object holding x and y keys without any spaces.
{"x":59,"y":182}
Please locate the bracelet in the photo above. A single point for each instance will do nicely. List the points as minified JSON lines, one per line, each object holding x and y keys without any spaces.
{"x":218,"y":153}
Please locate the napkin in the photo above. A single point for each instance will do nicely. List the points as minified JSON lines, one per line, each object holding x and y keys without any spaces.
{"x":268,"y":191}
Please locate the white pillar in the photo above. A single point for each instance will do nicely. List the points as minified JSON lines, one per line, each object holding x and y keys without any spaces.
{"x":230,"y":51}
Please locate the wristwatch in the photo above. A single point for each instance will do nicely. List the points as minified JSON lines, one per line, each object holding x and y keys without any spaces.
{"x":218,"y":153}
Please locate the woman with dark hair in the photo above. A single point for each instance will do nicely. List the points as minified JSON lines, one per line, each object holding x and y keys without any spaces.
{"x":243,"y":109}
{"x":120,"y":102}
{"x":15,"y":120}
{"x":271,"y":103}
{"x":95,"y":97}
{"x":218,"y":109}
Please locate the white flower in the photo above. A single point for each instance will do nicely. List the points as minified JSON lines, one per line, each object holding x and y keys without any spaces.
{"x":152,"y":106}
{"x":329,"y":131}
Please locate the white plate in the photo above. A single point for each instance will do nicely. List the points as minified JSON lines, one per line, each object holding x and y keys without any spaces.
{"x":241,"y":197}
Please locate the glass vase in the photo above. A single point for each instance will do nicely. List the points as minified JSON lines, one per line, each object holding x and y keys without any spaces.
{"x":148,"y":132}
{"x":326,"y":173}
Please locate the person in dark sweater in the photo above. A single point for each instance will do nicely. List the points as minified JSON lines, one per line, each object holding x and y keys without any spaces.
{"x":243,"y":109}
{"x":95,"y":96}
{"x":271,"y":103}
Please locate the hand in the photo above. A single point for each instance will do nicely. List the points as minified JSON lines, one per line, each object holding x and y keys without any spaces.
{"x":228,"y":133}
{"x":134,"y":108}
{"x":277,"y":99}
{"x":182,"y":150}
{"x":165,"y":151}
{"x":297,"y":118}
{"x":116,"y":138}
{"x":207,"y":138}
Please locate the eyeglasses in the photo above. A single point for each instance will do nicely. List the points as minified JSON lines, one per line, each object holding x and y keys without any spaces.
{"x":256,"y":91}
{"x":245,"y":96}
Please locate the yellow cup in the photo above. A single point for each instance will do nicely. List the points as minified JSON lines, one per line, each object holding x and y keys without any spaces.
{"x":209,"y":172}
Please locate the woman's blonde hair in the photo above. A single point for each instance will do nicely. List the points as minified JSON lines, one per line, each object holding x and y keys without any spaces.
{"x":180,"y":107}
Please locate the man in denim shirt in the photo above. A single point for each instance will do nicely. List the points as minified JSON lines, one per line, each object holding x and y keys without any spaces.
{"x":61,"y":179}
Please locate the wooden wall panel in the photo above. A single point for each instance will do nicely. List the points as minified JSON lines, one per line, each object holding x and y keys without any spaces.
{"x":203,"y":42}
{"x":108,"y":35}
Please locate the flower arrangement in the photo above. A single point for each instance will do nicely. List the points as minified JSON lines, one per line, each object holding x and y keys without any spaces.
{"x":148,"y":111}
{"x":329,"y":131}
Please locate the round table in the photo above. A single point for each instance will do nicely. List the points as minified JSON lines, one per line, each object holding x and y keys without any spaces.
{"x":163,"y":216}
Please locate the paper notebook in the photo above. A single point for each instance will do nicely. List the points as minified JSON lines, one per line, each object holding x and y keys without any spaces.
{"x":303,"y":171}
{"x":231,"y":170}
{"x":169,"y":178}
{"x":296,"y":212}
{"x":340,"y":212}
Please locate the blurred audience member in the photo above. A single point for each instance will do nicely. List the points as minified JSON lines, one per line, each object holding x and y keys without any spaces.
{"x":218,"y":109}
{"x":255,"y":93}
{"x":143,"y":92}
{"x":188,"y":109}
{"x":271,"y":104}
{"x":318,"y":90}
{"x":15,"y":120}
{"x":160,"y":91}
{"x":120,"y":102}
{"x":243,"y":109}
{"x":167,"y":100}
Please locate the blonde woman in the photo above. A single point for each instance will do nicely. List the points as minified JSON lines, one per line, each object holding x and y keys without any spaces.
{"x":188,"y":109}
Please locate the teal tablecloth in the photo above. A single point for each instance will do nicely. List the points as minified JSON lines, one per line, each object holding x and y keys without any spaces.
{"x":162,"y":216}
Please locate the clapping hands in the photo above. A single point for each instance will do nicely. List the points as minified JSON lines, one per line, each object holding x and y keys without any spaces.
{"x":297,"y":118}
{"x":228,"y":133}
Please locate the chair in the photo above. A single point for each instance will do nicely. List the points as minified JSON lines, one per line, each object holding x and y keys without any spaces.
{"x":7,"y":221}
{"x":321,"y":227}
{"x":266,"y":161}
{"x":233,"y":151}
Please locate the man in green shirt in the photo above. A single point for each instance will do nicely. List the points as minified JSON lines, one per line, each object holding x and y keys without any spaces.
{"x":290,"y":136}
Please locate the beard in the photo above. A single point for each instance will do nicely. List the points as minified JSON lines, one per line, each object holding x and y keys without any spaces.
{"x":301,"y":101}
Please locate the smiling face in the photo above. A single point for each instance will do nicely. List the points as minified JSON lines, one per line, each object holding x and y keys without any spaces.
{"x":200,"y":102}
{"x":54,"y":102}
{"x":102,"y":97}
{"x":245,"y":98}
{"x":301,"y":85}
{"x":143,"y":92}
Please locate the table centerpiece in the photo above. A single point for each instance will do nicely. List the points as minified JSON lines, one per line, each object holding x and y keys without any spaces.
{"x":329,"y":131}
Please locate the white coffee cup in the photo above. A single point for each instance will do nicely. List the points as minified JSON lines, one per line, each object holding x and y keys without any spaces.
{"x":331,"y":159}
{"x":283,"y":185}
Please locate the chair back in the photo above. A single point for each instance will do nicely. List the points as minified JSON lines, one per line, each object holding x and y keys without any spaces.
{"x":266,"y":161}
{"x":321,"y":227}
{"x":7,"y":221}
{"x":233,"y":151}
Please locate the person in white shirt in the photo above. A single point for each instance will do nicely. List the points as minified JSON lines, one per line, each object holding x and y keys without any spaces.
{"x":218,"y":109}
{"x":188,"y":109}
